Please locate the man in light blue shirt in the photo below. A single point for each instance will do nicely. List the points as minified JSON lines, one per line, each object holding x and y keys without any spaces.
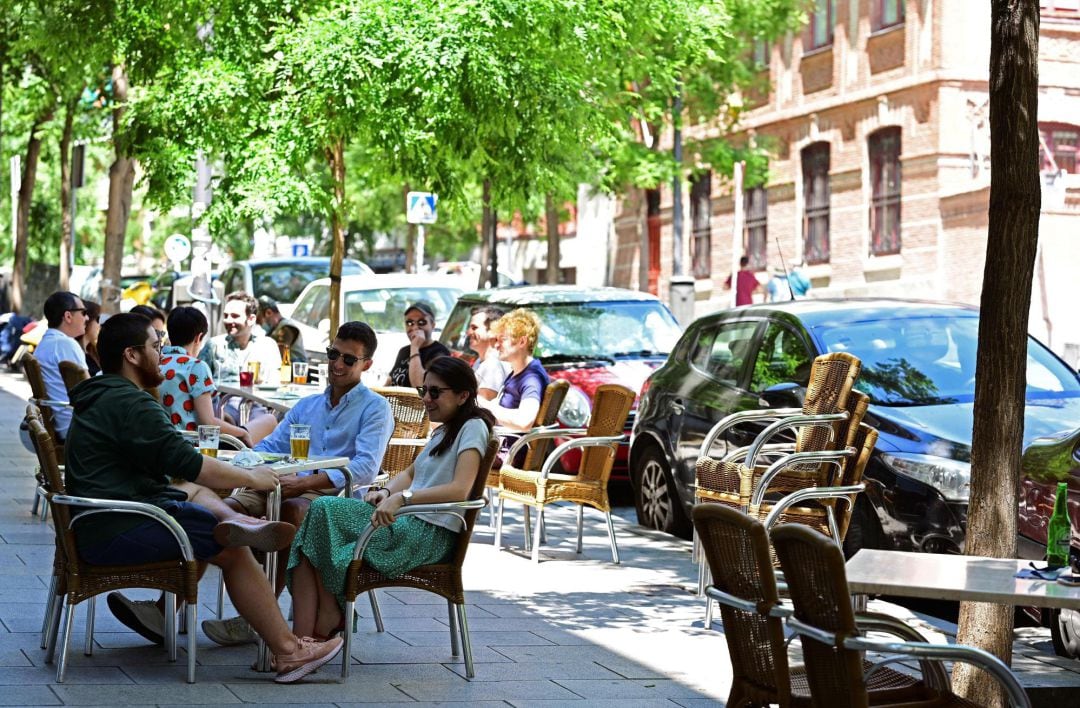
{"x":66,"y":316}
{"x":347,"y":420}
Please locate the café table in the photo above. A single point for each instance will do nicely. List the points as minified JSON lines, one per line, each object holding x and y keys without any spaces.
{"x":287,"y":466}
{"x":279,"y":399}
{"x":948,"y":577}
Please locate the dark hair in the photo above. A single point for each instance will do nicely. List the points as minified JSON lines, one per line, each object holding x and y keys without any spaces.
{"x":251,"y":305}
{"x":490,"y":313}
{"x":185,"y":324}
{"x":93,"y":314}
{"x":117,"y":334}
{"x":268,"y":303}
{"x":459,"y":376}
{"x":93,"y":311}
{"x":744,"y":261}
{"x":57,"y":304}
{"x":151,"y":313}
{"x":359,"y":332}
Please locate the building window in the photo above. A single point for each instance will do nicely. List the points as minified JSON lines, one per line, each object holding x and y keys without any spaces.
{"x":819,"y":32}
{"x":885,"y":184}
{"x":1059,"y":142}
{"x":755,"y":236}
{"x":815,"y":173}
{"x":700,"y":224}
{"x":1060,"y":7}
{"x":760,"y":55}
{"x":887,"y":13}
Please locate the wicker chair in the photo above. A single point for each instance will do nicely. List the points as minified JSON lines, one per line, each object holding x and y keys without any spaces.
{"x":73,"y":374}
{"x":443,"y":579}
{"x":832,"y":646}
{"x":411,"y":428}
{"x":40,"y":398}
{"x":75,"y":581}
{"x":611,"y":406}
{"x":737,"y":550}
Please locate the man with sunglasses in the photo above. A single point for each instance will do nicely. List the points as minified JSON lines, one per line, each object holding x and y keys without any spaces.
{"x":66,"y":316}
{"x":347,"y":420}
{"x":413,"y":358}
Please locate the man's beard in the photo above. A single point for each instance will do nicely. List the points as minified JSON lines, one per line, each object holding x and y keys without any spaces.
{"x":149,"y":375}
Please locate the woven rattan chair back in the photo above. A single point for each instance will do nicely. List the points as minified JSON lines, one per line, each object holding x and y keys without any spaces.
{"x":611,"y":406}
{"x":831,"y":379}
{"x":554,"y":395}
{"x":475,"y":492}
{"x":864,"y":441}
{"x":736,"y":548}
{"x":54,"y":483}
{"x":73,"y":374}
{"x":410,"y":423}
{"x":814,"y":569}
{"x":32,"y":371}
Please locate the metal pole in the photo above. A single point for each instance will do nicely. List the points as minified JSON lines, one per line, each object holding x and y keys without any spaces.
{"x":676,"y":185}
{"x":418,"y":261}
{"x":737,"y":229}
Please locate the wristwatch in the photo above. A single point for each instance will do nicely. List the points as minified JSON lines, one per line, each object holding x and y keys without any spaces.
{"x":406,"y":497}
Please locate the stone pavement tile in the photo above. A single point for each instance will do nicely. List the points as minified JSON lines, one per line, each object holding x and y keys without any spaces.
{"x":410,"y":597}
{"x":321,"y":687}
{"x":306,"y":704}
{"x":419,"y":622}
{"x":617,"y":688}
{"x":533,"y":671}
{"x":389,"y":610}
{"x":489,"y":639}
{"x":30,"y":696}
{"x":394,"y":674}
{"x":113,"y":695}
{"x":698,"y":702}
{"x":600,"y":703}
{"x":621,"y":665}
{"x":371,"y":654}
{"x":508,"y":624}
{"x":14,"y":657}
{"x":47,"y":675}
{"x":484,"y":690}
{"x":564,"y":637}
{"x":170,"y":673}
{"x":31,"y":537}
{"x":432,"y":704}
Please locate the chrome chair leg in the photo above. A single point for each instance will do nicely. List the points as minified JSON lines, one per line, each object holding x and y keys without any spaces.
{"x":611,"y":537}
{"x":499,"y":527}
{"x":708,"y":612}
{"x":170,"y":624}
{"x":580,"y":523}
{"x":50,"y":607}
{"x":466,"y":642}
{"x":190,"y":618}
{"x":541,"y":526}
{"x":452,"y":609}
{"x":54,"y":628}
{"x":528,"y":527}
{"x":221,"y":596}
{"x":91,"y":606}
{"x":346,"y":651}
{"x":65,"y":640}
{"x":539,"y":535}
{"x":375,"y":611}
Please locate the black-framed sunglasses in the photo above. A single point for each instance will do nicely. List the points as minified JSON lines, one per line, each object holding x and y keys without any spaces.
{"x":350,"y":360}
{"x":433,"y":392}
{"x":76,"y":309}
{"x":418,"y":323}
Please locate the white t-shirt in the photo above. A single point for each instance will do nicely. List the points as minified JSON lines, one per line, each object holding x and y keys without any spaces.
{"x":433,"y":471}
{"x":55,"y":347}
{"x":491,"y":373}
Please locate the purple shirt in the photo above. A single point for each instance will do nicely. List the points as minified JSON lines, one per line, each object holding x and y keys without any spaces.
{"x":528,"y":384}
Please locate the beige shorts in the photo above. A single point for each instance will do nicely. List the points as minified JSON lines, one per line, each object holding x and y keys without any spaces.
{"x":253,"y":502}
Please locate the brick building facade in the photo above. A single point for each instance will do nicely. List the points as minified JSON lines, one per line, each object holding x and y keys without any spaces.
{"x":878,"y":120}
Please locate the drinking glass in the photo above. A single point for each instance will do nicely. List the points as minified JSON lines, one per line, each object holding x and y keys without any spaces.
{"x":299,"y":372}
{"x":253,"y":367}
{"x":324,"y":374}
{"x":209,"y":439}
{"x":247,"y":379}
{"x":299,"y":440}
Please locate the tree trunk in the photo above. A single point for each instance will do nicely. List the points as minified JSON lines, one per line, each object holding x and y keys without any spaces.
{"x":551,"y":218}
{"x":121,"y":182}
{"x":66,"y":215}
{"x":487,"y":241}
{"x":1012,"y":238}
{"x":22,"y":220}
{"x":643,"y":243}
{"x":335,"y":155}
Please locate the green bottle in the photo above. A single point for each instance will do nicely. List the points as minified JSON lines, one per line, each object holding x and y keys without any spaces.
{"x":1059,"y":532}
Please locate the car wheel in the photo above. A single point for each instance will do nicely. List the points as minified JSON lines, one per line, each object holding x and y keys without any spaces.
{"x":1065,"y":632}
{"x":657,"y":503}
{"x":864,"y":530}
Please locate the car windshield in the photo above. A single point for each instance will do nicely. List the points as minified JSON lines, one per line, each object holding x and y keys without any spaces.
{"x":384,"y":308}
{"x":922,"y":361}
{"x":284,"y":281}
{"x":604,"y":330}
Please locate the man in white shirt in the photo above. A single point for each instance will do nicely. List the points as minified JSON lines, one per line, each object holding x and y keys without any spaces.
{"x":66,"y":316}
{"x":227,"y":354}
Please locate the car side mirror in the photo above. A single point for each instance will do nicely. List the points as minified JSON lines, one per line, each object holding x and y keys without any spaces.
{"x":782,"y":395}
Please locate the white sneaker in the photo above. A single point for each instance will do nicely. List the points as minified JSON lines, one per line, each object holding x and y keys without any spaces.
{"x":230,"y":632}
{"x":143,"y":616}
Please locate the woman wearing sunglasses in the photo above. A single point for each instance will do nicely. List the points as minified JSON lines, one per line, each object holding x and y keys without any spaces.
{"x":443,"y":472}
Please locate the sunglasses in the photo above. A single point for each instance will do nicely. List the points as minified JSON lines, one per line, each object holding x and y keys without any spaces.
{"x":418,"y":323}
{"x":77,"y":309}
{"x":433,"y":392}
{"x":350,"y":360}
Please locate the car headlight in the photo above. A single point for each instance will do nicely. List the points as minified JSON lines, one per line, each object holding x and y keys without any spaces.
{"x":576,"y":409}
{"x":950,"y":477}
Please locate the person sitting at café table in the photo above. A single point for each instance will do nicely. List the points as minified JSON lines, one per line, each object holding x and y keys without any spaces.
{"x":229,"y":353}
{"x":491,"y":373}
{"x":347,"y":420}
{"x":88,"y":339}
{"x":66,"y":317}
{"x":122,"y":446}
{"x":281,"y":329}
{"x":157,"y":319}
{"x":443,"y":472}
{"x":413,"y":358}
{"x":516,"y":407}
{"x":188,"y":388}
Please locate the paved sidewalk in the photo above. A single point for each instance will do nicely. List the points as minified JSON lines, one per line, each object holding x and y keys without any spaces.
{"x":572,"y":630}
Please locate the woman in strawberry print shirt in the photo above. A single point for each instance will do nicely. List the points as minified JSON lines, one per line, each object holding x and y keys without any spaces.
{"x":187,"y":391}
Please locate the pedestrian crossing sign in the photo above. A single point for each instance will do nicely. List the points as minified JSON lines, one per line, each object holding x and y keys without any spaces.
{"x":421,"y":207}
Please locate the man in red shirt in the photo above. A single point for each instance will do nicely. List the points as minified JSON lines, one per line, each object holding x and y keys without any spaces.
{"x":746,"y":285}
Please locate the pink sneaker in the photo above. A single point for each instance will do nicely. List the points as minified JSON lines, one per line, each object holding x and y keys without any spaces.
{"x":310,"y":654}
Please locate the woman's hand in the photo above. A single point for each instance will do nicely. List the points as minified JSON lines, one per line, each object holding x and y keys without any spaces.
{"x":375,"y":496}
{"x":387,"y":510}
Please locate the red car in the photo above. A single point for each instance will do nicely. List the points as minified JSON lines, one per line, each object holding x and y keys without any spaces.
{"x":588,"y":336}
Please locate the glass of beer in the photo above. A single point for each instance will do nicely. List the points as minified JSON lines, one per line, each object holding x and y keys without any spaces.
{"x":299,"y":372}
{"x":299,"y":440}
{"x":253,"y":367}
{"x":209,"y":439}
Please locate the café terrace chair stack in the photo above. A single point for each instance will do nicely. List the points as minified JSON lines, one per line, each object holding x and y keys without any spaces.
{"x":443,"y":579}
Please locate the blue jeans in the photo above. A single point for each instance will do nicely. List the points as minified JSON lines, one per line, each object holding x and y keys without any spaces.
{"x":151,"y":541}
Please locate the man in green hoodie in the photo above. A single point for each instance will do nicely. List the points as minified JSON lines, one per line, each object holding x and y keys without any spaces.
{"x":121,"y":445}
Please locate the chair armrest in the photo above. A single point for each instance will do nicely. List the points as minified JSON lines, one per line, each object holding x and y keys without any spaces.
{"x":51,"y":403}
{"x":833,"y":457}
{"x":794,"y":421}
{"x":739,"y":603}
{"x":924,"y":650}
{"x":739,"y":454}
{"x":116,"y":506}
{"x":542,"y":433}
{"x":934,"y":674}
{"x":458,"y":509}
{"x":806,"y":494}
{"x":742,"y":417}
{"x":576,"y":444}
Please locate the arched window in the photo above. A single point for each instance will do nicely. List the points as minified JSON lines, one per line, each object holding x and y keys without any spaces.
{"x":815,"y":173}
{"x":884,"y":148}
{"x":756,"y":205}
{"x":1060,"y":145}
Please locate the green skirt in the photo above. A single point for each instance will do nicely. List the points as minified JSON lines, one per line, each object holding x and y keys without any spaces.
{"x":327,"y":538}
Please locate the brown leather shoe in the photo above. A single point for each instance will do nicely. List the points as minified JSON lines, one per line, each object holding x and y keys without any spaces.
{"x":258,"y":534}
{"x":310,"y":654}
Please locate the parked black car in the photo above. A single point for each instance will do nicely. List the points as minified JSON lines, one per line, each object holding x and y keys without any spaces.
{"x":918,"y":369}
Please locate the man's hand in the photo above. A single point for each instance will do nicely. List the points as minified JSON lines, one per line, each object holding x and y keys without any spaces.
{"x":293,"y":485}
{"x":262,"y":478}
{"x":387,"y":510}
{"x":417,"y":338}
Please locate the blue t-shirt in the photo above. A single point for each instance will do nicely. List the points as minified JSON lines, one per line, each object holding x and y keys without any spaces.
{"x":528,"y":384}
